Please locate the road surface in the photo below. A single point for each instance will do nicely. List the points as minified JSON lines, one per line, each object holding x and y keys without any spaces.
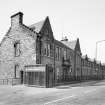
{"x":88,"y":93}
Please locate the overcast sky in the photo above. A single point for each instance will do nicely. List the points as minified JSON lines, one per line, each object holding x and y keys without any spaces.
{"x":83,"y":19}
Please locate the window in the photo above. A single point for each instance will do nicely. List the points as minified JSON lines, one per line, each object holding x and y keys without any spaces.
{"x":48,"y":50}
{"x":70,"y":70}
{"x":37,"y":60}
{"x":51,"y":50}
{"x":70,"y":59}
{"x":65,"y":54}
{"x":83,"y":63}
{"x":45,"y":49}
{"x":58,"y":73}
{"x":57,"y":53}
{"x":17,"y":48}
{"x":16,"y":71}
{"x":46,"y":32}
{"x":60,"y":53}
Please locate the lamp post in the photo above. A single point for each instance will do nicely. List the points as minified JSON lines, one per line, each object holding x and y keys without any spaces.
{"x":96,"y":54}
{"x":96,"y":47}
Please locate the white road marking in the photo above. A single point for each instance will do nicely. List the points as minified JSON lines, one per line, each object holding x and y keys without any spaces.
{"x":67,"y":97}
{"x":88,"y":91}
{"x":60,"y":99}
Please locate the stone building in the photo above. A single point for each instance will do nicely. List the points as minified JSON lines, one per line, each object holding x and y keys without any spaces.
{"x":17,"y":49}
{"x":25,"y":49}
{"x":92,"y":69}
{"x":31,"y":55}
{"x":75,"y":46}
{"x":54,"y":53}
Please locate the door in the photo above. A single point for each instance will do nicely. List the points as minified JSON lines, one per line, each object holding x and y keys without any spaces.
{"x":21,"y":76}
{"x":65,"y":74}
{"x":49,"y":77}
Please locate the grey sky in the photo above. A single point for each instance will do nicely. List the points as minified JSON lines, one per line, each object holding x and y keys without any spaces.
{"x":74,"y":18}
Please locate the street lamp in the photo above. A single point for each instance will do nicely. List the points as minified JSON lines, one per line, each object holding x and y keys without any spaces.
{"x":96,"y":54}
{"x":96,"y":47}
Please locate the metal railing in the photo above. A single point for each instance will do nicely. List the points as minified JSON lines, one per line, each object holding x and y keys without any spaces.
{"x":10,"y":81}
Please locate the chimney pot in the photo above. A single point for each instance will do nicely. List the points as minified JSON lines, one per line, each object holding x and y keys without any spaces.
{"x":64,"y":38}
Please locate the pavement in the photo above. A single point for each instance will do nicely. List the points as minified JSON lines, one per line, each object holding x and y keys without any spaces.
{"x":86,"y":93}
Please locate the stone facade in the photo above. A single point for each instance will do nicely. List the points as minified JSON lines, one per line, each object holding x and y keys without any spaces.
{"x":35,"y":45}
{"x":27,"y":43}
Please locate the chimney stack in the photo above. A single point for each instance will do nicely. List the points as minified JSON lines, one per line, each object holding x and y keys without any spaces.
{"x":17,"y":19}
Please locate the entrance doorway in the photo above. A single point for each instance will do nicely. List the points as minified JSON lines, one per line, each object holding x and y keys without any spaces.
{"x":21,"y":76}
{"x":65,"y":74}
{"x":49,"y":76}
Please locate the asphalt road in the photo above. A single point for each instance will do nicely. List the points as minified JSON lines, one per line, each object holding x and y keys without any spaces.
{"x":88,"y":93}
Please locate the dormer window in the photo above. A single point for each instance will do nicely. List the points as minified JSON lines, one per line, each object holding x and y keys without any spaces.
{"x":17,"y":48}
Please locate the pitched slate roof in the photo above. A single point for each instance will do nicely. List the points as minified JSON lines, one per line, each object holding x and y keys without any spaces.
{"x":60,"y":43}
{"x":37,"y":26}
{"x":70,"y":44}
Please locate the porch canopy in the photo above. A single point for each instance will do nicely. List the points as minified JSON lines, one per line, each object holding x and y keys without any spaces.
{"x":35,"y":75}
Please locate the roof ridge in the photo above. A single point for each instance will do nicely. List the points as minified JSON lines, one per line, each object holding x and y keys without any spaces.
{"x":70,"y":44}
{"x":36,"y":23}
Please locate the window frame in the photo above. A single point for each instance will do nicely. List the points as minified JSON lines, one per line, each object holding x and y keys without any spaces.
{"x":17,"y":48}
{"x":15,"y":70}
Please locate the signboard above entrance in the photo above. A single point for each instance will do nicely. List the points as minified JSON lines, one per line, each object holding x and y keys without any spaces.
{"x":35,"y":68}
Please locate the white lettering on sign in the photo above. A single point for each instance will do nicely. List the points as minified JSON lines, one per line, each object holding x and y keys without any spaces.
{"x":28,"y":69}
